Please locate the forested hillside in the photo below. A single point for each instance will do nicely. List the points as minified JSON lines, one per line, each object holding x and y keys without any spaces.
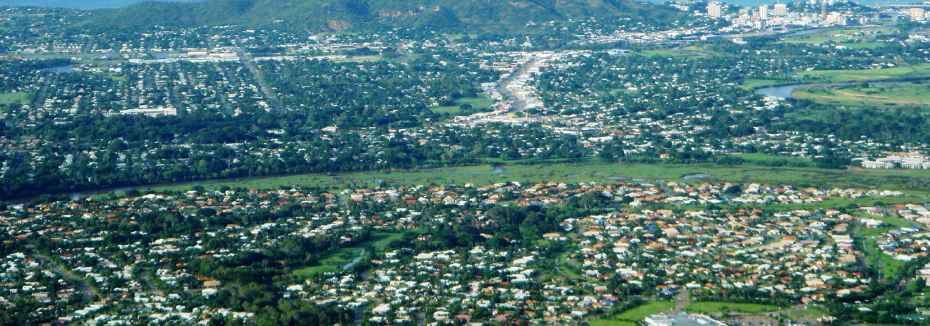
{"x":333,"y":15}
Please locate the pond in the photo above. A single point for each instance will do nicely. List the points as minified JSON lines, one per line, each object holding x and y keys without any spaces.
{"x":697,"y":176}
{"x":64,"y":69}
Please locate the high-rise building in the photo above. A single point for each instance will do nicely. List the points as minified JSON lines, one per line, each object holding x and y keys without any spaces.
{"x":714,"y":9}
{"x":780,"y":9}
{"x":823,"y":9}
{"x":764,"y":12}
{"x":918,"y":13}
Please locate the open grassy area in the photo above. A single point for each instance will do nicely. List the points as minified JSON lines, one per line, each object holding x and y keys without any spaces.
{"x":381,"y":240}
{"x":332,"y":263}
{"x":917,"y":71}
{"x":809,"y":315}
{"x":751,"y":84}
{"x":717,"y":307}
{"x":874,"y":95}
{"x":608,"y":322}
{"x":476,"y":102}
{"x":588,"y":172}
{"x":876,"y":259}
{"x":646,"y":310}
{"x":10,"y":98}
{"x":854,"y":38}
{"x":335,"y":261}
{"x":667,"y":53}
{"x":476,"y":168}
{"x":630,"y":317}
{"x":759,"y":159}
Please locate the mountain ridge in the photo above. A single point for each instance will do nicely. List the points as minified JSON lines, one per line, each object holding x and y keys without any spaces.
{"x":343,"y":15}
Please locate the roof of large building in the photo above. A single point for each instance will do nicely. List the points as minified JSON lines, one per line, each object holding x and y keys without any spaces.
{"x":682,"y":320}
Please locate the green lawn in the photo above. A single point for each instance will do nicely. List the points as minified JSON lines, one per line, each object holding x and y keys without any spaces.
{"x":10,"y":98}
{"x":759,"y":159}
{"x":454,"y":110}
{"x":479,"y":103}
{"x":335,"y":261}
{"x":383,"y":239}
{"x":751,"y":84}
{"x":854,"y":38}
{"x":918,"y":71}
{"x":608,"y":322}
{"x":877,"y":259}
{"x":896,"y":221}
{"x":875,"y":95}
{"x":646,"y":310}
{"x":872,"y":232}
{"x":476,"y":168}
{"x":667,"y":53}
{"x":332,"y":263}
{"x":807,"y":315}
{"x":717,"y":307}
{"x":630,"y":317}
{"x":476,"y":102}
{"x":598,"y":172}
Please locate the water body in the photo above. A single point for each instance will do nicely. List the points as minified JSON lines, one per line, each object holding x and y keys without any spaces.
{"x":785,"y":91}
{"x":497,"y":170}
{"x":697,"y":176}
{"x":780,"y":91}
{"x":65,"y":69}
{"x":354,"y":261}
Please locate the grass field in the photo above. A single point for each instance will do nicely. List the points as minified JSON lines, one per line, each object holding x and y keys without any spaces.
{"x":717,"y":307}
{"x":666,"y":53}
{"x":875,"y":95}
{"x":475,"y":168}
{"x":757,"y":159}
{"x":10,"y":98}
{"x":332,"y":263}
{"x":475,"y":102}
{"x":588,"y":172}
{"x":646,"y":310}
{"x":807,"y":315}
{"x":335,"y":261}
{"x":854,"y":38}
{"x":917,"y":71}
{"x":872,"y":232}
{"x":875,"y":258}
{"x":751,"y":84}
{"x":630,"y":317}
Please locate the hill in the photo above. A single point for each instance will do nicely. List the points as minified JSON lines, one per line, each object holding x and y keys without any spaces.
{"x":341,"y":15}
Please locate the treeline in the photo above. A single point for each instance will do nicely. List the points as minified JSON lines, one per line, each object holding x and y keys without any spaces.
{"x":897,"y":126}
